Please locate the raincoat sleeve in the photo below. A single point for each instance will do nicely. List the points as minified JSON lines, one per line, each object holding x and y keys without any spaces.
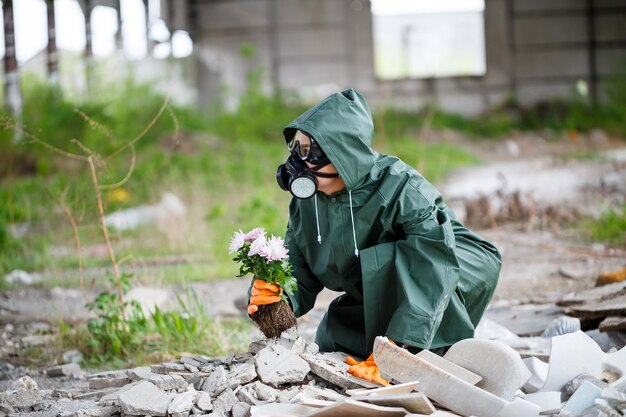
{"x":309,"y":286}
{"x":408,"y":283}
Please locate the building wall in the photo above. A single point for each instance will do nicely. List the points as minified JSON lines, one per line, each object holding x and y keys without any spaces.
{"x":535,"y":50}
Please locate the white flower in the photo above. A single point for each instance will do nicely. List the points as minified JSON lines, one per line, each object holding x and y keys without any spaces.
{"x":258,"y":246}
{"x":236,"y":243}
{"x":274,"y":249}
{"x":254,"y":234}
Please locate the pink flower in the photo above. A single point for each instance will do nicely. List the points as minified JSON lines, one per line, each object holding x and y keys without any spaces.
{"x":254,"y":234}
{"x":237,"y":241}
{"x":258,"y":246}
{"x":274,"y":249}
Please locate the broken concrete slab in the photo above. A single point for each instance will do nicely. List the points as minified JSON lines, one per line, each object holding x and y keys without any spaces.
{"x":390,"y":389}
{"x":101,"y":383}
{"x":613,"y":323}
{"x":596,"y":310}
{"x":547,"y":400}
{"x":225,"y":401}
{"x":443,"y":387}
{"x":24,"y":383}
{"x":71,"y":370}
{"x":333,"y":369}
{"x":450,"y":367}
{"x":276,"y":365}
{"x":572,"y":354}
{"x":583,"y":398}
{"x":570,"y":388}
{"x":241,"y":374}
{"x":165,"y":382}
{"x":501,"y":367}
{"x":183,"y":402}
{"x":280,"y":410}
{"x":322,"y":393}
{"x":286,"y":396}
{"x":145,"y":399}
{"x":604,"y":292}
{"x":414,"y":402}
{"x":539,"y":372}
{"x":204,"y":401}
{"x":265,"y":392}
{"x":352,"y":408}
{"x":22,"y":400}
{"x":616,"y":362}
{"x":241,"y":410}
{"x":216,"y":383}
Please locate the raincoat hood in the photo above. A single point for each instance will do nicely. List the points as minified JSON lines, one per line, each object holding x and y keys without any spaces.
{"x":343,"y":127}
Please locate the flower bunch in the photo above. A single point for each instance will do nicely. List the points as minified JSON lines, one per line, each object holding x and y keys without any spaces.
{"x":265,"y":257}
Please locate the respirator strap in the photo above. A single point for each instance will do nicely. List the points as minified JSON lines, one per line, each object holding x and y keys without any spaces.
{"x":322,"y":174}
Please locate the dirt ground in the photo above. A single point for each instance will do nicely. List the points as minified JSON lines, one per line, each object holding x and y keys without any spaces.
{"x":541,"y":261}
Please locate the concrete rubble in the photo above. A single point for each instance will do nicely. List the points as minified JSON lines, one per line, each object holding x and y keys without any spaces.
{"x":288,"y":377}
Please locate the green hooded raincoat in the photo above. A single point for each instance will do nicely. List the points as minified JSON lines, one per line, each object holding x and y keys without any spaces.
{"x":420,"y":277}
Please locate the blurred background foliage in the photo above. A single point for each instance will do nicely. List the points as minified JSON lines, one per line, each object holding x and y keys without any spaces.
{"x":220,"y":163}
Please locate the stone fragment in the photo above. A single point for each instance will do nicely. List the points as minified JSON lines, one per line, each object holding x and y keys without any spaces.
{"x":285,"y":396}
{"x":247,"y":395}
{"x":299,"y":345}
{"x":187,"y":360}
{"x":334,"y":370}
{"x":276,"y":366}
{"x":322,"y":393}
{"x":265,"y":392}
{"x":100,"y":383}
{"x":112,"y":398}
{"x":216,"y":383}
{"x":67,"y":407}
{"x":445,"y":388}
{"x":24,"y":383}
{"x":145,"y":399}
{"x":22,"y":400}
{"x":241,"y":410}
{"x":166,"y":382}
{"x":312,"y":349}
{"x":546,"y":400}
{"x":183,"y":402}
{"x":500,"y":366}
{"x":583,"y":398}
{"x":273,"y":410}
{"x":570,"y":388}
{"x":204,"y":401}
{"x":614,"y":397}
{"x":572,"y":354}
{"x":616,"y":362}
{"x":94,"y":395}
{"x":450,"y":367}
{"x":241,"y":374}
{"x":168,"y":367}
{"x":539,"y":372}
{"x":71,"y":370}
{"x":106,"y":411}
{"x":225,"y":401}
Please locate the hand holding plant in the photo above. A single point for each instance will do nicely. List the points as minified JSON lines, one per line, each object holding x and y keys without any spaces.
{"x":267,"y":259}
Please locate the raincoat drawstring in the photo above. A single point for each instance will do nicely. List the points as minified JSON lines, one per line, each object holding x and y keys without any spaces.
{"x":356,"y":250}
{"x":317,"y":220}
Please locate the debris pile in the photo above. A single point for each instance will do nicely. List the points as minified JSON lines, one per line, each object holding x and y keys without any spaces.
{"x":288,"y":377}
{"x":603,"y":307}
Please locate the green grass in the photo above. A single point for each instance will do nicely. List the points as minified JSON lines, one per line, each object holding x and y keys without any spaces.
{"x":223,"y":169}
{"x":610,"y":228}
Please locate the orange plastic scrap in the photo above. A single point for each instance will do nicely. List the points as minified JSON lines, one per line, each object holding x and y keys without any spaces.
{"x":612,"y":277}
{"x":366,"y":370}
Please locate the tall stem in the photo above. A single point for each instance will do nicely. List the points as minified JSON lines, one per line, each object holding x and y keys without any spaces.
{"x":105,"y":231}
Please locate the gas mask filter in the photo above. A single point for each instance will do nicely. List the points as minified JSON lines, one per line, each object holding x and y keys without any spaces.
{"x":295,"y":175}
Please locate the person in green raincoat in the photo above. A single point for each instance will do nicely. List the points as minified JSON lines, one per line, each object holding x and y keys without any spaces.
{"x":372,"y":227}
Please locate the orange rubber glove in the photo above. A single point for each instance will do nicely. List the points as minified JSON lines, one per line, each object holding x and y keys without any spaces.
{"x":367,"y":370}
{"x":263,"y":293}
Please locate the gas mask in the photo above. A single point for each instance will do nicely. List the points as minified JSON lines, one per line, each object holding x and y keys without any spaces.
{"x":295,"y":175}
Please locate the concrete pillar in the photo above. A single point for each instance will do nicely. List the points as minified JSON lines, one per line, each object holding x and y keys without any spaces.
{"x":12,"y":93}
{"x":52,"y":58}
{"x":88,"y":44}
